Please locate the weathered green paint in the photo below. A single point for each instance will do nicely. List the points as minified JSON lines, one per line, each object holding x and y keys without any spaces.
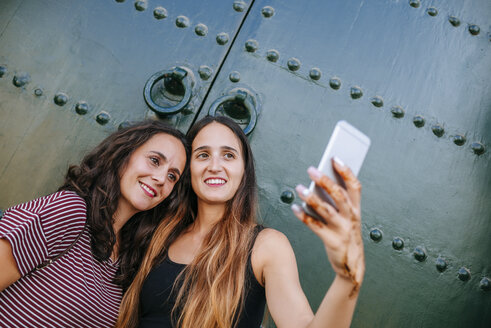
{"x":412,"y":75}
{"x":100,"y":53}
{"x":383,"y":66}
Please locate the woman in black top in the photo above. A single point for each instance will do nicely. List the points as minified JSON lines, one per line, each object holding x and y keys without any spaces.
{"x":212,"y":266}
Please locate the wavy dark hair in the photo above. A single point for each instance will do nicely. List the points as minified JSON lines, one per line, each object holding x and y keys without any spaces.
{"x":211,"y":289}
{"x":97,"y":181}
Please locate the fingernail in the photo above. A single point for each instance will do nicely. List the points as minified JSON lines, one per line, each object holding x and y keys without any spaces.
{"x":338,"y":161}
{"x":302,"y":190}
{"x":296,"y":208}
{"x":314,"y":172}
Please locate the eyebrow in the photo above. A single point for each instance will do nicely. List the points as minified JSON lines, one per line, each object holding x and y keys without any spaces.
{"x":164,"y":158}
{"x":222,"y":147}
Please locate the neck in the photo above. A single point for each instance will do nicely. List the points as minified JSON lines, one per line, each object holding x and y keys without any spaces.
{"x":118,"y":223}
{"x":208,"y":215}
{"x":120,"y":217}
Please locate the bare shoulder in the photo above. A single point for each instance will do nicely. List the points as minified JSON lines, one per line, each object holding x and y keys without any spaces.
{"x":271,"y":239}
{"x":271,"y":245}
{"x":272,"y":254}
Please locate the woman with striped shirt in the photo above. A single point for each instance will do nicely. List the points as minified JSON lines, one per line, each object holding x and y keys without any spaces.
{"x":94,"y":228}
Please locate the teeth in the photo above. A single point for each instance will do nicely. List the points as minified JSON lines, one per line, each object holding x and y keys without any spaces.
{"x":215,"y":181}
{"x":147,"y":189}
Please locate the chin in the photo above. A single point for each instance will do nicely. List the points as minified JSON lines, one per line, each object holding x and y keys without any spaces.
{"x":144,"y":206}
{"x":216,"y":200}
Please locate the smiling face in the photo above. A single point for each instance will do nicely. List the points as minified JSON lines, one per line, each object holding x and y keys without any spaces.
{"x":150,"y":174}
{"x":217,"y":164}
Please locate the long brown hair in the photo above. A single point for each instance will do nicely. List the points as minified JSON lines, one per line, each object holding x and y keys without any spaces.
{"x":97,"y":181}
{"x":211,"y":289}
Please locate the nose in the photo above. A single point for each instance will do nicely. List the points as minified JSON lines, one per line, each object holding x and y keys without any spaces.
{"x":214,"y":164}
{"x":160,"y":176}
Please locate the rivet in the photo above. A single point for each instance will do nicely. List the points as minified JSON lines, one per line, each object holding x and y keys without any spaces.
{"x":315,"y":73}
{"x":398,"y":243}
{"x":272,"y":55}
{"x":335,"y":83}
{"x":102,"y":118}
{"x":205,"y":72}
{"x":38,"y":92}
{"x":477,"y":148}
{"x":356,"y":92}
{"x":21,"y":79}
{"x":239,"y":6}
{"x":124,"y":125}
{"x":140,"y":5}
{"x":464,"y":274}
{"x":414,"y":3}
{"x":120,"y":1}
{"x":234,"y":76}
{"x":293,"y":64}
{"x":182,"y":21}
{"x":474,"y":29}
{"x":397,"y":112}
{"x":251,"y":45}
{"x":438,"y":130}
{"x":222,"y":38}
{"x":267,"y":11}
{"x":81,"y":108}
{"x":454,"y":21}
{"x":201,"y":29}
{"x":377,"y":101}
{"x":419,"y":121}
{"x":485,"y":284}
{"x":287,"y":197}
{"x":61,"y":99}
{"x":441,"y":264}
{"x":160,"y":12}
{"x":419,"y":253}
{"x":432,"y":11}
{"x":376,"y":234}
{"x":459,"y":140}
{"x":3,"y":70}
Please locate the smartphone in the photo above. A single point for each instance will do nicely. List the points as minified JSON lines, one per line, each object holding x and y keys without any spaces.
{"x":349,"y":145}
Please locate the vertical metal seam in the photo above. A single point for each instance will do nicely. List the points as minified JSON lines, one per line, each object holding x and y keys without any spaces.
{"x":15,"y":13}
{"x":218,"y":70}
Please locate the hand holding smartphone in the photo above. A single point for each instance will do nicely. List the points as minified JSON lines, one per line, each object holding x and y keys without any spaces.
{"x":349,"y":145}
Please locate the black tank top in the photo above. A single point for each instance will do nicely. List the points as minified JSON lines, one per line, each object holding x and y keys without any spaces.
{"x":157,"y":301}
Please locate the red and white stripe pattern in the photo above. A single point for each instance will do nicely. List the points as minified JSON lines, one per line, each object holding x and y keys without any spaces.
{"x":74,"y":291}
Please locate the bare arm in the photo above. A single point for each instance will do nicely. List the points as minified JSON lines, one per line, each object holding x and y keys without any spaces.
{"x":9,"y":272}
{"x":343,"y":243}
{"x":286,"y":301}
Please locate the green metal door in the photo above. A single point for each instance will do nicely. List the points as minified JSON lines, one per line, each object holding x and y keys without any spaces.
{"x":413,"y":75}
{"x":73,"y":71}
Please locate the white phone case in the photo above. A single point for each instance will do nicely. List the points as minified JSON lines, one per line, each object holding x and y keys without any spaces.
{"x":349,"y":145}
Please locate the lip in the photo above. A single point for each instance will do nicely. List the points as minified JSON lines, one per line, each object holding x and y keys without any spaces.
{"x":209,"y":182}
{"x":146,"y":191}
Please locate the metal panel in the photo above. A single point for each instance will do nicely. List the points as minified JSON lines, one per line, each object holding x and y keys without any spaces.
{"x":414,"y":76}
{"x":72,"y":71}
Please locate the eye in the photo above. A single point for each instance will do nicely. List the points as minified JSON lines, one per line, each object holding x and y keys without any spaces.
{"x":229,"y":155}
{"x":202,"y":155}
{"x":155,"y":160}
{"x":172,"y":177}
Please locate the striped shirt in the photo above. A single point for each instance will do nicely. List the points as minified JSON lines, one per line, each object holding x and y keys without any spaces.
{"x":75,"y":290}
